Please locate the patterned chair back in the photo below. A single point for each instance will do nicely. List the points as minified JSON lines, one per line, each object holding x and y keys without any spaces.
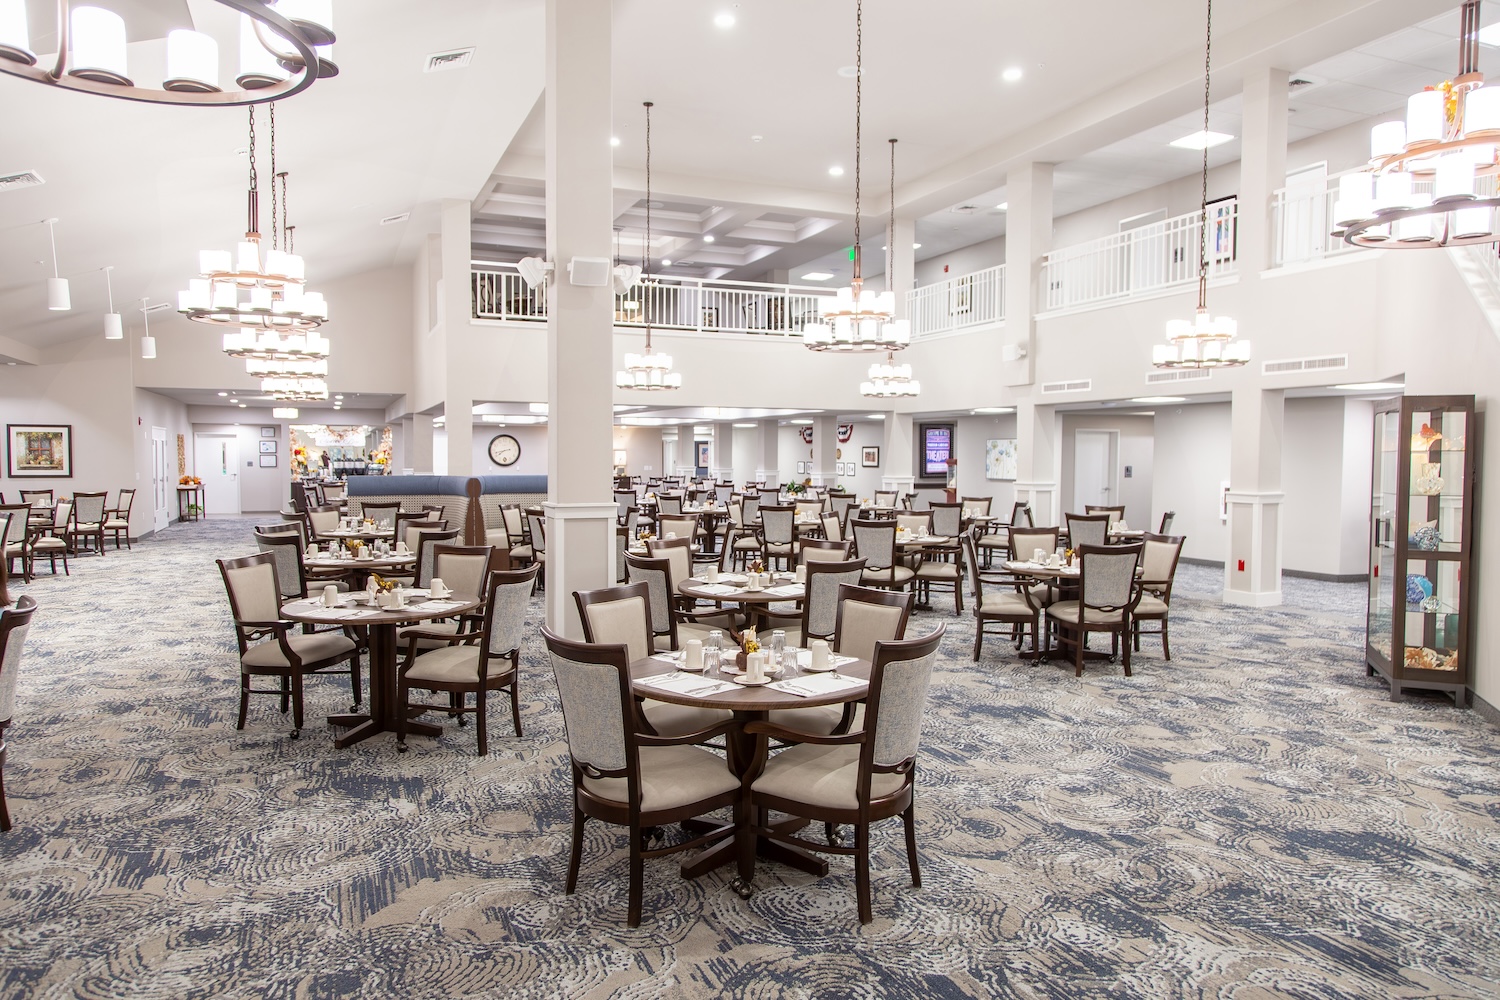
{"x":14,"y":625}
{"x":594,"y":705}
{"x":820,"y":611}
{"x":749,"y":509}
{"x":88,"y":508}
{"x":1087,"y":529}
{"x":668,"y":503}
{"x":537,"y":525}
{"x":875,"y":542}
{"x":462,"y":568}
{"x":1107,"y":576}
{"x":15,"y":529}
{"x":286,"y":548}
{"x":947,"y":519}
{"x":867,"y":616}
{"x":428,"y":539}
{"x":618,"y":616}
{"x":505,"y":608}
{"x":656,"y":573}
{"x":900,"y":676}
{"x":778,"y":524}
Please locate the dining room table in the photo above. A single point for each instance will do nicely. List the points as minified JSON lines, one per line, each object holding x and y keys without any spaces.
{"x":354,"y":610}
{"x":734,"y":588}
{"x":398,"y":563}
{"x":662,"y":677}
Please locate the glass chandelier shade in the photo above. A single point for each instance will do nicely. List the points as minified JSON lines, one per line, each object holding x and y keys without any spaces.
{"x":298,"y":389}
{"x":288,"y":368}
{"x":237,"y":289}
{"x":856,"y":319}
{"x":649,"y":372}
{"x":1431,"y":180}
{"x":888,"y":380}
{"x":1205,"y":342}
{"x":283,"y":48}
{"x":267,"y":345}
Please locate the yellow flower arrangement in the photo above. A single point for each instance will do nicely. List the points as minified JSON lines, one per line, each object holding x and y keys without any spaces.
{"x":189,"y":481}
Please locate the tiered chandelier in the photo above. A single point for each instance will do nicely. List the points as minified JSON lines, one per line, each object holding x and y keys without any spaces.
{"x":1204,"y":341}
{"x":890,"y":380}
{"x":856,"y":319}
{"x":649,"y":372}
{"x":1431,"y":178}
{"x":271,"y":318}
{"x":284,"y":46}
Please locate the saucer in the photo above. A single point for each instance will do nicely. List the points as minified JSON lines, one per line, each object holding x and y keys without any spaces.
{"x":817,"y":670}
{"x":743,"y":681}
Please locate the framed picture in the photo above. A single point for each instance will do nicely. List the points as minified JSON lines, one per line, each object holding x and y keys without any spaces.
{"x":1222,"y":239}
{"x":937,"y":447}
{"x":703,"y":447}
{"x":268,"y":461}
{"x":869,"y":456}
{"x":710,"y":317}
{"x":268,"y":447}
{"x":838,"y":468}
{"x":801,"y":468}
{"x":961,"y":296}
{"x":268,"y":432}
{"x":1000,"y":459}
{"x":39,"y":451}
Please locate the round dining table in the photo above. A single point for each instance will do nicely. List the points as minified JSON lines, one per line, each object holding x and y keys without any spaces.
{"x":384,"y":707}
{"x":400,"y":563}
{"x":362,"y":534}
{"x":747,"y":754}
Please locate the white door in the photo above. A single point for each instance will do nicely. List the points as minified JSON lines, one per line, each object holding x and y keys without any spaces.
{"x":162,"y":486}
{"x":216,"y":461}
{"x":1304,"y":222}
{"x":1093,"y":469}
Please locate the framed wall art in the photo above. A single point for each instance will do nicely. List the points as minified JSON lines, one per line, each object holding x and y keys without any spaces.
{"x":268,"y":432}
{"x":268,"y":447}
{"x":1000,"y":459}
{"x":39,"y":451}
{"x":268,"y":461}
{"x":869,"y":456}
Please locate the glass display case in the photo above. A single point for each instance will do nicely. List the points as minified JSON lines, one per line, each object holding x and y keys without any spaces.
{"x":1421,"y":526}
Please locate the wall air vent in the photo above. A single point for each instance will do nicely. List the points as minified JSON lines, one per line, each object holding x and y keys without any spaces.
{"x":1076,"y":385}
{"x":1177,"y":375}
{"x":456,"y":59}
{"x":1286,"y":366}
{"x":25,"y":179}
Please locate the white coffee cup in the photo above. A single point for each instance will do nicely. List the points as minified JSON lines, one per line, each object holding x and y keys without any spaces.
{"x":330,"y":596}
{"x":801,"y":575}
{"x":401,"y":548}
{"x":364,"y":552}
{"x":1039,"y":555}
{"x":671,"y":534}
{"x":693,"y":658}
{"x":711,"y":574}
{"x":820,"y":653}
{"x":437,"y":588}
{"x":755,"y":668}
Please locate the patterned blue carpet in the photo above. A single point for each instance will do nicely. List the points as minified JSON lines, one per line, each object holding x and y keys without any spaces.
{"x":1253,"y":819}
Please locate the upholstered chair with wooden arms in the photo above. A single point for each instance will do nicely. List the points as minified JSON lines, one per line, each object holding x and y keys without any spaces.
{"x":1002,"y":598}
{"x":15,"y":623}
{"x":117,"y":518}
{"x":52,"y":541}
{"x":1159,"y":556}
{"x":87,"y":530}
{"x":1108,"y":592}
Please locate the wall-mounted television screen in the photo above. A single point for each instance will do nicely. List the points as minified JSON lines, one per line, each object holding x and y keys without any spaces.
{"x":937,"y":448}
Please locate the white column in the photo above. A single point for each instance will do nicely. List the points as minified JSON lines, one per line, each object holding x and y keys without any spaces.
{"x":767,"y":435}
{"x":825,"y":450}
{"x":1262,"y":171}
{"x":897,"y":456}
{"x":580,"y":320}
{"x":723,"y":452}
{"x":1252,"y":567}
{"x":1028,"y":237}
{"x":418,"y":432}
{"x":1037,"y":455}
{"x":455,"y":304}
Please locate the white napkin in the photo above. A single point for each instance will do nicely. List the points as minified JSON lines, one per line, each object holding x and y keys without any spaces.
{"x":789,"y":590}
{"x":817,"y":685}
{"x":695,"y":685}
{"x":804,"y":658}
{"x":720,"y":589}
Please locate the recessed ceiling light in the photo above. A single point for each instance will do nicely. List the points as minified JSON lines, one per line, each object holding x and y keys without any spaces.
{"x":1011,"y":74}
{"x":1158,"y":399}
{"x":614,"y":140}
{"x":708,"y":239}
{"x":223,"y":393}
{"x":835,"y":171}
{"x":1201,"y":140}
{"x":724,"y":20}
{"x":1004,"y":206}
{"x":816,"y":276}
{"x":916,"y":246}
{"x":745,"y":426}
{"x":875,"y":416}
{"x":665,"y":262}
{"x":756,"y":138}
{"x":987,"y":410}
{"x":243,"y":405}
{"x":234,"y":400}
{"x":338,"y":395}
{"x":1371,"y":386}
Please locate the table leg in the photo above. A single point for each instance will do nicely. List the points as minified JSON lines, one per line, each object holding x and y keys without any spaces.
{"x":383,"y":702}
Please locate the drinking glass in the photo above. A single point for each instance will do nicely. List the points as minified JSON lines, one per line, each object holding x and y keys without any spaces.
{"x":778,"y":645}
{"x":713,"y":653}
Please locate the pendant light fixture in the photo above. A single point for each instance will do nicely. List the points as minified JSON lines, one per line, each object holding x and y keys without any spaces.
{"x":889,"y":380}
{"x":648,"y":372}
{"x":283,"y":50}
{"x":855,"y":319}
{"x":1204,"y":341}
{"x":114,"y":329}
{"x":58,"y":298}
{"x":1431,"y":178}
{"x":148,"y":342}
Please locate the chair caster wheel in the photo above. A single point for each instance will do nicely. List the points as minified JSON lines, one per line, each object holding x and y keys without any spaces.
{"x":462,"y":722}
{"x":401,"y":748}
{"x":353,"y":708}
{"x":743,"y":888}
{"x":296,"y":734}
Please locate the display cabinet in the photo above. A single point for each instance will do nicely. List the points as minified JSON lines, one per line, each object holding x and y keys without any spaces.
{"x":1421,"y":527}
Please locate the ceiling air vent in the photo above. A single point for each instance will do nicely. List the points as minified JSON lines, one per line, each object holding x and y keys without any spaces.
{"x":964,"y":209}
{"x":1301,"y":83}
{"x":25,"y":179}
{"x":457,"y":59}
{"x":1177,"y":375}
{"x":1077,"y":385}
{"x":1328,"y":363}
{"x":391,"y":220}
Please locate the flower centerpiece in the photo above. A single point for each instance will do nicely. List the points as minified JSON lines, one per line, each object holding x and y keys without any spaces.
{"x":748,"y":644}
{"x":797,"y":489}
{"x":189,"y":481}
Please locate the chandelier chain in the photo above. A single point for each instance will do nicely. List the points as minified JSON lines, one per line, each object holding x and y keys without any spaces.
{"x":1208,"y":44}
{"x":859,"y":73}
{"x":275,"y":229}
{"x":890,"y":232}
{"x":252,"y":147}
{"x":286,"y":214}
{"x":646,"y":250}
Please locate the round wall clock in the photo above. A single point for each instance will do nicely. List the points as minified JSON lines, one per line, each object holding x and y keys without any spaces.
{"x":504,"y":450}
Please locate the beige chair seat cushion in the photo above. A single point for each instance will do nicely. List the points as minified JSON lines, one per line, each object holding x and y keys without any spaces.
{"x":49,"y":543}
{"x":116,"y":522}
{"x":312,"y":648}
{"x":938,"y":571}
{"x":1006,"y":602}
{"x":453,"y":665}
{"x":521,"y":552}
{"x":447,"y":628}
{"x":779,"y":548}
{"x":700,"y":630}
{"x":1067,"y":611}
{"x":820,"y":776}
{"x":992,"y":542}
{"x":1151,"y":607}
{"x":670,"y":777}
{"x":1042,"y":595}
{"x":16,"y":549}
{"x":87,"y":526}
{"x":819,"y":721}
{"x":883,"y":576}
{"x":679,"y":720}
{"x":498,"y":537}
{"x":747,"y":544}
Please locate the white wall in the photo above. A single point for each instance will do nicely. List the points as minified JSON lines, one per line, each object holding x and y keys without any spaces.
{"x":533,"y":442}
{"x":1136,"y":445}
{"x":1314,"y":476}
{"x":965,"y":260}
{"x":1191,"y":459}
{"x":155,"y":410}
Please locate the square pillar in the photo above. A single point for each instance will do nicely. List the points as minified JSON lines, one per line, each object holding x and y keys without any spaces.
{"x":1028,"y":237}
{"x":1038,"y":429}
{"x":768,"y":468}
{"x":897,"y":456}
{"x":723,"y":453}
{"x":1252,"y":567}
{"x":1262,"y":168}
{"x":825,"y":451}
{"x":580,"y":320}
{"x":418,"y":433}
{"x":454,"y":306}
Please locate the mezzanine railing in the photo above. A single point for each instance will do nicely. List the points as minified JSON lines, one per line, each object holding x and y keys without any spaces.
{"x":958,"y":303}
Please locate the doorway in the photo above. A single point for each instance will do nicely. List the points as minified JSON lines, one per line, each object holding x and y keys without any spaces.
{"x":161,"y":483}
{"x":216,"y":461}
{"x":1095,"y":462}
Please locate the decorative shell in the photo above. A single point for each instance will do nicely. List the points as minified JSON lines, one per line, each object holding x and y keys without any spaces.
{"x":1422,"y":658}
{"x":1425,"y":438}
{"x":1424,"y":537}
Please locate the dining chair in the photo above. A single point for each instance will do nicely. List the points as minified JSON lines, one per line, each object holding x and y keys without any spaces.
{"x":37,"y":498}
{"x":255,"y":605}
{"x":750,"y":509}
{"x":857,"y":778}
{"x":1087,"y":529}
{"x":998,"y":535}
{"x":838,"y":503}
{"x":428,"y":539}
{"x":408,"y":522}
{"x":536,"y":531}
{"x":18,"y":537}
{"x":1010,"y":602}
{"x":778,"y":533}
{"x":285,"y":548}
{"x":1159,"y":556}
{"x":334,"y":493}
{"x":624,"y":500}
{"x":1108,"y":592}
{"x":668,"y":503}
{"x":382,"y":512}
{"x":875,"y":542}
{"x":514,"y":519}
{"x":976,"y":506}
{"x":679,"y":555}
{"x":1166,"y":522}
{"x":808,"y":510}
{"x":321,"y":520}
{"x":1116,"y":513}
{"x":628,"y":778}
{"x":770,"y":496}
{"x":88,"y":522}
{"x":475,"y":663}
{"x":723,"y":492}
{"x":51,"y":539}
{"x":941,"y":567}
{"x":916,"y":522}
{"x":886,"y":498}
{"x":673,"y":617}
{"x":117,"y":518}
{"x":463,"y":570}
{"x":833,"y":529}
{"x":827,"y":583}
{"x":677,"y":526}
{"x":15,"y":623}
{"x":947,"y":518}
{"x":821,"y":550}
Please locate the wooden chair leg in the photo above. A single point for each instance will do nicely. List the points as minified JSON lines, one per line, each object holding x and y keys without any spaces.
{"x":286,"y":694}
{"x":1125,"y":655}
{"x":403,"y":698}
{"x":515,"y":695}
{"x":637,"y":871}
{"x":862,"y":872}
{"x":1166,"y":650}
{"x":354,"y":683}
{"x":244,"y":699}
{"x":909,"y":817}
{"x":296,"y":704}
{"x":4,"y":809}
{"x":480,"y":728}
{"x":978,"y":637}
{"x":575,"y":856}
{"x":1078,"y":644}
